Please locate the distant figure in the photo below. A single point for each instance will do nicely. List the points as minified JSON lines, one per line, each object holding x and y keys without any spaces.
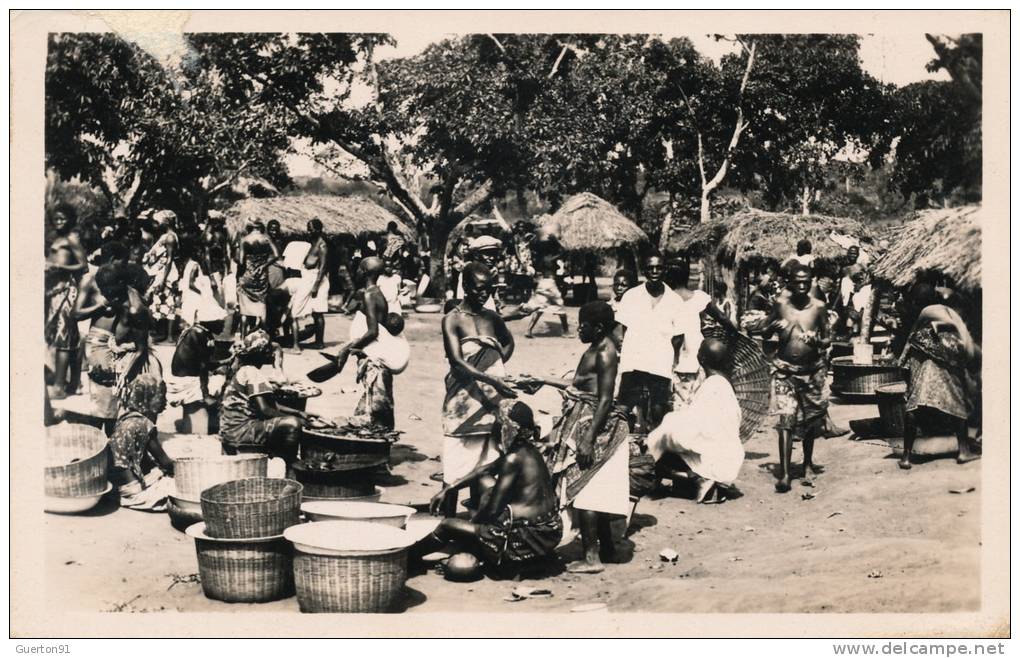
{"x":376,"y":402}
{"x":255,"y":253}
{"x":687,"y":374}
{"x":394,"y":242}
{"x":799,"y":369}
{"x":705,"y":435}
{"x":163,"y":294}
{"x":310,"y":293}
{"x":65,"y":263}
{"x":803,"y":255}
{"x":517,"y":520}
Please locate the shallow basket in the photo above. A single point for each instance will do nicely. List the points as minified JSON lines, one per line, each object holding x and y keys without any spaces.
{"x":345,"y":482}
{"x":249,"y":508}
{"x":851,"y":379}
{"x":245,"y":571}
{"x":892,"y":407}
{"x":78,"y":459}
{"x":193,"y":475}
{"x":356,"y":583}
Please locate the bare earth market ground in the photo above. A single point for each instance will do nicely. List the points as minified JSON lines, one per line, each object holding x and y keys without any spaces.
{"x":873,"y":538}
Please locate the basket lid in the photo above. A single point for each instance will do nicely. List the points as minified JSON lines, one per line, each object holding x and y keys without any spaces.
{"x":342,"y":536}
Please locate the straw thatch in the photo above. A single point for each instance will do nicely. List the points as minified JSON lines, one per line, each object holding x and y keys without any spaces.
{"x":588,"y":223}
{"x":339,"y":214}
{"x":947,"y":241}
{"x":755,"y":235}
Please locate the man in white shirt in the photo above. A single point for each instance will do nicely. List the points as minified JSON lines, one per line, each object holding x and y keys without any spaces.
{"x":652,"y":337}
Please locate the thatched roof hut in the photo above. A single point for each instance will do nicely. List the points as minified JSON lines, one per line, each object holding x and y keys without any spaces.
{"x":339,"y":214}
{"x":588,"y":223}
{"x":756,"y":235}
{"x":946,"y":240}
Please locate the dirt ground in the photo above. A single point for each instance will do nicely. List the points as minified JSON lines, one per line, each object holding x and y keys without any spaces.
{"x":872,"y":539}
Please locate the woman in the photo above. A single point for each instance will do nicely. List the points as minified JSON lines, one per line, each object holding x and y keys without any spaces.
{"x":201,"y":300}
{"x":64,"y":265}
{"x":938,"y":352}
{"x":163,"y":294}
{"x":588,"y":453}
{"x":255,"y":254}
{"x":141,"y":471}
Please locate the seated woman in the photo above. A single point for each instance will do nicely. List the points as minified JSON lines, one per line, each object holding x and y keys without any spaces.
{"x":250,"y":419}
{"x":141,"y":471}
{"x":517,"y":520}
{"x":705,"y":435}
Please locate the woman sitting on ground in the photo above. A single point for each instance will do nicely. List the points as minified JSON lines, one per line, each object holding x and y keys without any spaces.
{"x":141,"y":471}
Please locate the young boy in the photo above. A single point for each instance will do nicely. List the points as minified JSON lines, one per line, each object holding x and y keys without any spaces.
{"x":188,"y":385}
{"x":517,"y":520}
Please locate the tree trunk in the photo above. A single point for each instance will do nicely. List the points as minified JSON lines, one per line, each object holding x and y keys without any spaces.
{"x":439,"y":233}
{"x":848,"y":184}
{"x":805,"y":201}
{"x":706,"y":205}
{"x":664,"y":230}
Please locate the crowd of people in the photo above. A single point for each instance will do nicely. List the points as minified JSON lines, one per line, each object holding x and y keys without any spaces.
{"x":650,"y":397}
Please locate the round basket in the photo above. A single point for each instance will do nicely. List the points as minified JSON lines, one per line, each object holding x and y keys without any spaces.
{"x":77,"y":461}
{"x":353,"y":451}
{"x":183,"y":513}
{"x":253,"y":507}
{"x":851,"y":379}
{"x":193,"y":475}
{"x":892,"y":404}
{"x":245,"y":571}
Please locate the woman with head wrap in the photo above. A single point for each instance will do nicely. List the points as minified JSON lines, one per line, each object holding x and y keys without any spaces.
{"x":142,"y":472}
{"x":588,"y":453}
{"x":250,"y":419}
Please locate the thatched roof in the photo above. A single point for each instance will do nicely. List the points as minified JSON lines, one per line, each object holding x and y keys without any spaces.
{"x":946,"y":240}
{"x":588,"y":223}
{"x":751,"y":235}
{"x":339,"y":214}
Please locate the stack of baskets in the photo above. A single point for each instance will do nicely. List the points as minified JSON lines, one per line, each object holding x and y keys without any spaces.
{"x":854,"y":380}
{"x":193,"y":475}
{"x":77,"y":459}
{"x":242,"y":553}
{"x":338,"y":480}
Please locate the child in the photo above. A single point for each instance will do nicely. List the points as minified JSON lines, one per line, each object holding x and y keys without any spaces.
{"x":250,"y":418}
{"x":188,"y":385}
{"x":140,"y":469}
{"x":517,"y":520}
{"x":390,"y":348}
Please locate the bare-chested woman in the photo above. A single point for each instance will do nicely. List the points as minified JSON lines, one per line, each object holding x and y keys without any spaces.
{"x":477,"y":344}
{"x":65,"y":263}
{"x":315,"y":269}
{"x":799,"y":371}
{"x":254,"y":255}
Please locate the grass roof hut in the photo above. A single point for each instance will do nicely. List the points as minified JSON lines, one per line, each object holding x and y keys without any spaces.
{"x":734,"y":246}
{"x":339,"y":215}
{"x":591,"y":224}
{"x":945,"y":242}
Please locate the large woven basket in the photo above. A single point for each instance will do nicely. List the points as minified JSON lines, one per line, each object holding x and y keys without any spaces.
{"x":77,"y":458}
{"x":892,"y":407}
{"x":356,"y":583}
{"x":193,"y":475}
{"x":245,"y":571}
{"x":345,"y":481}
{"x":851,"y":379}
{"x":250,"y":508}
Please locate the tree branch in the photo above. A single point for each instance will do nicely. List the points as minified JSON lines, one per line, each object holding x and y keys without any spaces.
{"x":496,"y":41}
{"x":559,"y":58}
{"x":481,"y":195}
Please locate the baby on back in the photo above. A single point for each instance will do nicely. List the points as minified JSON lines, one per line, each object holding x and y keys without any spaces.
{"x":390,"y":348}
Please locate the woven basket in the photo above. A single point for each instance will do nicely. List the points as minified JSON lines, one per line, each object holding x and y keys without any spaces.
{"x":346,"y":450}
{"x":245,"y":572}
{"x":250,"y":508}
{"x":193,"y":475}
{"x":361,"y":583}
{"x":892,"y":407}
{"x":853,"y":379}
{"x":79,"y":459}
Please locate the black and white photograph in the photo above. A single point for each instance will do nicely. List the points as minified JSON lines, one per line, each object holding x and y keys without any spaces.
{"x":593,"y":314}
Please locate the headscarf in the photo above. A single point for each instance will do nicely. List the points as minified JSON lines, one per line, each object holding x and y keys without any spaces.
{"x":145,"y":394}
{"x":257,"y":342}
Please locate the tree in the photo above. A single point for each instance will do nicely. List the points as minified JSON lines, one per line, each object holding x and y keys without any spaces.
{"x":808,"y":101}
{"x":145,"y":132}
